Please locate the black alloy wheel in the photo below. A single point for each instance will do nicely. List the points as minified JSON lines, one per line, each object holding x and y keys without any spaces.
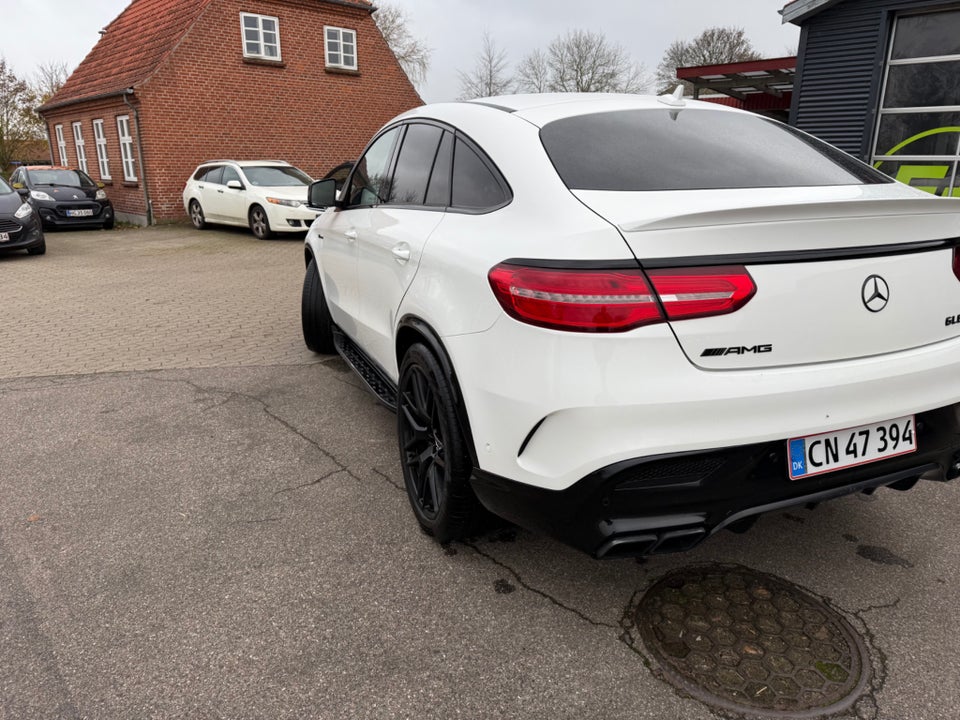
{"x":196,"y":215}
{"x":433,"y":451}
{"x":259,"y":223}
{"x":314,"y":313}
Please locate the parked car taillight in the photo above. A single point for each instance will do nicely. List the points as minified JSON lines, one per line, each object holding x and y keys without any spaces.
{"x":617,"y":300}
{"x":575,"y":299}
{"x":956,"y":262}
{"x":699,"y":292}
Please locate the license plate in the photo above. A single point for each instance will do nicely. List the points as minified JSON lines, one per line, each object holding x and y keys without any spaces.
{"x":4,"y":237}
{"x":80,"y":213}
{"x":828,"y":452}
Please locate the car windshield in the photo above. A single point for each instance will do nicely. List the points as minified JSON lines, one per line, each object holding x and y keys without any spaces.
{"x":273,"y":176}
{"x":70,"y":178}
{"x":693,"y":149}
{"x":4,"y":188}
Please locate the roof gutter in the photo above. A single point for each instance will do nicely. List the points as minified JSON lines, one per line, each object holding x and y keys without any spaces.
{"x":102,"y":96}
{"x":355,"y":5}
{"x":798,"y":11}
{"x":143,"y":169}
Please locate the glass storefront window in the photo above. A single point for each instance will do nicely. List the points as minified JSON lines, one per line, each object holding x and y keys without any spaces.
{"x":917,"y":138}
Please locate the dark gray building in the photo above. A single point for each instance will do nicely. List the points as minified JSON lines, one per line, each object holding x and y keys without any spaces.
{"x":881,"y":80}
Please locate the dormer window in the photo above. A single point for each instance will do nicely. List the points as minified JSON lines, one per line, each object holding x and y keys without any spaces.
{"x":261,"y":36}
{"x":341,"y":47}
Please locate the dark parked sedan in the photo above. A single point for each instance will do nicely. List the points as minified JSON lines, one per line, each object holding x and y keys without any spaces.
{"x":63,"y":197}
{"x":19,"y":225}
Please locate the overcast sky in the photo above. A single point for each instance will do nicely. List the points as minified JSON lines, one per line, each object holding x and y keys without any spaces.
{"x":38,"y":31}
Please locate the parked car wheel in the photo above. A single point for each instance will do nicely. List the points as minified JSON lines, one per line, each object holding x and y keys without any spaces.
{"x":259,"y":224}
{"x":433,"y":450}
{"x":314,"y":313}
{"x":40,"y":249}
{"x":196,"y":215}
{"x":108,"y":225}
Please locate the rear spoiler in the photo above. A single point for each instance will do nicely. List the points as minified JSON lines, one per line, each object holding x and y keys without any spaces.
{"x":803,"y":211}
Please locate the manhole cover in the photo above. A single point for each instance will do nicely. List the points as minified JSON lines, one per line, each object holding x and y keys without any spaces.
{"x":752,"y":643}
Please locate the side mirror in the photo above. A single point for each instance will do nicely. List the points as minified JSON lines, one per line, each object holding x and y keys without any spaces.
{"x":234,"y":184}
{"x":21,"y":188}
{"x":322,"y":194}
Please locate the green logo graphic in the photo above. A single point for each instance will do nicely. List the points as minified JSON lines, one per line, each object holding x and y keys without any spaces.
{"x":934,"y":179}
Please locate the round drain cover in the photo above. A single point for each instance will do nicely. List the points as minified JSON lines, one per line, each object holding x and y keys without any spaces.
{"x":752,"y":643}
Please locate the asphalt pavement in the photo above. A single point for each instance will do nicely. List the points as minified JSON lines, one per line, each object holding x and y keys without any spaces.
{"x":217,"y":529}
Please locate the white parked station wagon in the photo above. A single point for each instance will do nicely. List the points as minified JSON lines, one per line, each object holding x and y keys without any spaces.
{"x":268,"y":196}
{"x":629,"y":322}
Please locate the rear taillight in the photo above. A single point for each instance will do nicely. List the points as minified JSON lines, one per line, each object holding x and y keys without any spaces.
{"x":700,"y":292}
{"x":617,"y":300}
{"x":956,"y":262}
{"x":574,"y":299}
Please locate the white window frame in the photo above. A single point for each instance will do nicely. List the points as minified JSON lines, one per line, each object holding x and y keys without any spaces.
{"x":261,"y":51}
{"x":126,"y":148}
{"x":80,"y":146}
{"x":341,"y":36}
{"x":61,"y":144}
{"x":100,"y":139}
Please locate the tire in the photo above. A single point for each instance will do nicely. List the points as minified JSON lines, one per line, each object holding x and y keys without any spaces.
{"x":314,"y":313}
{"x":108,"y":225}
{"x":196,"y":215}
{"x":259,"y":223}
{"x":40,"y":249}
{"x":433,"y":449}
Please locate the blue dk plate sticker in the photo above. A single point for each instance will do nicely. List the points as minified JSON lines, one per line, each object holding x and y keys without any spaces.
{"x":798,"y":458}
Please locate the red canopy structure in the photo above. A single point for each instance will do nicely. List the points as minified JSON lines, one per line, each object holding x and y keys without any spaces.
{"x":762,"y":86}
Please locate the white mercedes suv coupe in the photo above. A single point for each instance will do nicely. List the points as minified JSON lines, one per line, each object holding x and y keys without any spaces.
{"x":629,"y":322}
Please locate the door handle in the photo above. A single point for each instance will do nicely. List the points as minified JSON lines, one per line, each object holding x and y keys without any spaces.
{"x":220,"y":191}
{"x":351,"y":235}
{"x":401,"y":252}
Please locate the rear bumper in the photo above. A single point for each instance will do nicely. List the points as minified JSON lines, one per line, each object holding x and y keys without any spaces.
{"x":673,"y":502}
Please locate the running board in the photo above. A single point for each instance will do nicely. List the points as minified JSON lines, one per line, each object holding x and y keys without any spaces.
{"x":373,"y":377}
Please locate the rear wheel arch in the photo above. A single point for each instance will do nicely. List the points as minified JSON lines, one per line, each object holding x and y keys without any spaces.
{"x":412,"y":330}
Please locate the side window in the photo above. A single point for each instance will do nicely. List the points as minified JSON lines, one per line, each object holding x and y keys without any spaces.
{"x":409,"y":186}
{"x":369,"y":184}
{"x":213,"y":175}
{"x":475,"y":187}
{"x":229,"y":173}
{"x":438,"y":193}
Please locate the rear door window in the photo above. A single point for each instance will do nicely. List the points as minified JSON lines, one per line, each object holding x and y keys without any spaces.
{"x":693,"y":149}
{"x":414,"y":163}
{"x":438,"y":192}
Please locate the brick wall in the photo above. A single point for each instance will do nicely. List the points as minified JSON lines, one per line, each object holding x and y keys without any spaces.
{"x":206,"y":102}
{"x":127,"y":197}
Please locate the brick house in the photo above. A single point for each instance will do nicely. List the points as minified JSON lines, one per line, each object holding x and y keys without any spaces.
{"x":172,"y":83}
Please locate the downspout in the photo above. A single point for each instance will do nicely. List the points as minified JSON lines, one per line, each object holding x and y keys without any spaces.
{"x":143,"y":169}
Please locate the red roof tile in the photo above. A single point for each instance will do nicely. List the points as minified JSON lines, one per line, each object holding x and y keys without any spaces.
{"x":131,"y":48}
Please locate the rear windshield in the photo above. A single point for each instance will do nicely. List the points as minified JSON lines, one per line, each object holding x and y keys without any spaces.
{"x":693,"y":149}
{"x":272,"y":176}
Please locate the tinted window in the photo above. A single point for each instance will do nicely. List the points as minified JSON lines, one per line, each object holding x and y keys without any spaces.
{"x":369,"y":184}
{"x":474,"y":184}
{"x":438,"y":194}
{"x":693,"y":149}
{"x":273,"y":176}
{"x":210,"y":174}
{"x":414,"y":163}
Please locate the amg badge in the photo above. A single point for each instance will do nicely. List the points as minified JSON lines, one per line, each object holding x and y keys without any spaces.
{"x":741,"y":350}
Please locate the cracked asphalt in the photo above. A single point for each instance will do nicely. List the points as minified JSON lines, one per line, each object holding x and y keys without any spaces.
{"x":217,"y":529}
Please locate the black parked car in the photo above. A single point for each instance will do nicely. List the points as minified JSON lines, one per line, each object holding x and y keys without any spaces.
{"x":64,"y":197}
{"x":19,"y":225}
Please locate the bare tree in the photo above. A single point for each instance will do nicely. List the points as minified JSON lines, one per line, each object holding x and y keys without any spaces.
{"x":582,"y":61}
{"x":533,"y":73}
{"x":16,"y":109}
{"x":48,"y":79}
{"x":489,"y":76}
{"x":412,"y":53}
{"x":714,"y":46}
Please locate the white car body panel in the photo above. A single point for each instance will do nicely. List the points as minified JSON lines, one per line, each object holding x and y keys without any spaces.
{"x":602,"y":399}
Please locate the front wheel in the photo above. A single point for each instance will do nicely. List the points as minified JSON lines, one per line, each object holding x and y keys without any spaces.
{"x":433,"y":449}
{"x":314,"y":313}
{"x":259,"y":223}
{"x":40,"y":249}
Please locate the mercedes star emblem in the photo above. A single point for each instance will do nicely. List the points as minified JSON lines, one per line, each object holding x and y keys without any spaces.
{"x":875,"y":293}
